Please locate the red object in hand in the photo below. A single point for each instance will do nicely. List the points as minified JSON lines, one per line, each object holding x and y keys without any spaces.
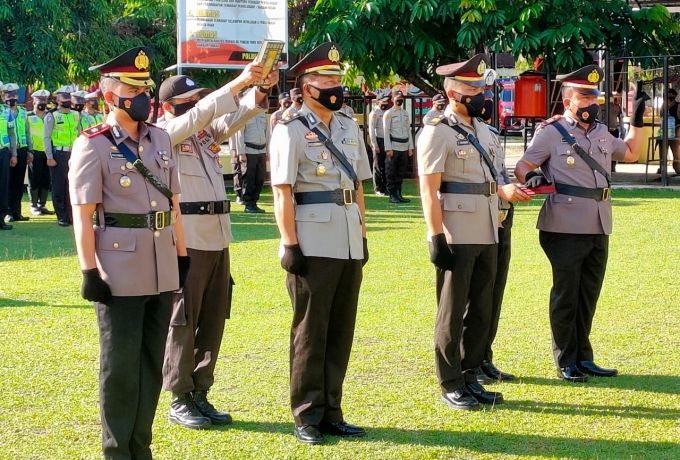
{"x":542,"y":190}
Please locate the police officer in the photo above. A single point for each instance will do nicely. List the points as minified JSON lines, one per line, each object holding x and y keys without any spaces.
{"x":134,"y":257}
{"x":91,"y":115}
{"x":198,"y":122}
{"x":458,"y":158}
{"x":38,"y":171}
{"x":296,"y":97}
{"x":8,"y":160}
{"x":78,"y":106}
{"x":575,"y":153}
{"x":346,"y":109}
{"x":284,"y":103}
{"x":319,"y":206}
{"x":376,"y":134}
{"x":398,"y":146}
{"x":17,"y":116}
{"x":61,"y":130}
{"x":251,"y":148}
{"x":437,"y":110}
{"x":236,"y":169}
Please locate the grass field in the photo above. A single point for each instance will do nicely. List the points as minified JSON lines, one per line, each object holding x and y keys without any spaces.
{"x":49,"y":351}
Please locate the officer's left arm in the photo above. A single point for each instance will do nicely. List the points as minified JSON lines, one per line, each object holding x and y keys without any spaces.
{"x":362,"y":208}
{"x":179,"y":228}
{"x":225,"y":126}
{"x":12,"y":147}
{"x":410,"y":136}
{"x":537,"y":153}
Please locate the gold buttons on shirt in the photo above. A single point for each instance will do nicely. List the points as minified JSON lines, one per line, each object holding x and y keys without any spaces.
{"x":156,"y":233}
{"x":141,"y":149}
{"x":128,"y":165}
{"x":166,"y":162}
{"x":122,"y":168}
{"x":153,"y":204}
{"x":342,"y":184}
{"x":312,"y":215}
{"x":569,"y":199}
{"x":115,"y":245}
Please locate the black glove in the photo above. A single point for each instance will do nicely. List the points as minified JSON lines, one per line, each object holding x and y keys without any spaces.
{"x":440,"y":253}
{"x":639,"y":107}
{"x":183,"y":263}
{"x":363,"y":262}
{"x":534,"y":179}
{"x":94,"y":288}
{"x":293,"y":260}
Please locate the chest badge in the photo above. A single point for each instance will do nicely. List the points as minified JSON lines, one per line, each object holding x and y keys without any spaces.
{"x":460,"y":136}
{"x":570,"y":160}
{"x":125,"y":181}
{"x":320,"y":170}
{"x":323,"y":156}
{"x":462,"y":153}
{"x":310,"y":136}
{"x":116,"y":131}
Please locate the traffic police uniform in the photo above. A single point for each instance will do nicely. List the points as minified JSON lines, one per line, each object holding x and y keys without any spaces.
{"x":252,"y":141}
{"x":398,"y":139}
{"x":38,"y":171}
{"x":470,"y":216}
{"x":329,"y":233}
{"x":17,"y":116}
{"x":376,"y":134}
{"x":87,"y":118}
{"x":201,"y":308}
{"x":139,"y":262}
{"x":8,"y":149}
{"x":78,"y":106}
{"x":61,"y":130}
{"x":574,"y":230}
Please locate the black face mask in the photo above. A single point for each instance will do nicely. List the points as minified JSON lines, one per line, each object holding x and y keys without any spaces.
{"x":384,"y":106}
{"x":473,"y":104}
{"x":78,"y":107}
{"x":12,"y":102}
{"x":331,"y":98}
{"x":399,"y":102}
{"x":94,"y":106}
{"x":41,"y":107}
{"x":588,"y":114}
{"x":488,"y":110}
{"x":298,"y":99}
{"x":181,"y":109}
{"x":65,"y":104}
{"x":440,"y":107}
{"x":137,"y":107}
{"x":287,"y":104}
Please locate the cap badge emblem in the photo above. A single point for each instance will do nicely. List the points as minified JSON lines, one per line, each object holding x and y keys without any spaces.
{"x":189,"y":82}
{"x":594,"y":77}
{"x":142,"y":60}
{"x":333,"y":54}
{"x":481,"y":67}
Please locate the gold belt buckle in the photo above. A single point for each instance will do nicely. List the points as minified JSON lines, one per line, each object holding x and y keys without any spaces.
{"x":606,"y":194}
{"x":159,"y":218}
{"x":347,"y":196}
{"x":503,"y":214}
{"x":493,"y":187}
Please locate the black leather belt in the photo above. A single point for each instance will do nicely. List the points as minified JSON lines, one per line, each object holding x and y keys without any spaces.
{"x":465,"y":188}
{"x":256,"y":146}
{"x":152,"y":221}
{"x":62,"y":148}
{"x":205,"y":207}
{"x":341,"y":197}
{"x":397,"y":139}
{"x":597,"y":194}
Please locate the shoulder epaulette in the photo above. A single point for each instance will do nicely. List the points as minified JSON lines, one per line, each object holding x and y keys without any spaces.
{"x":435,"y":121}
{"x":52,"y":110}
{"x":550,"y":121}
{"x":30,"y":114}
{"x":343,"y":114}
{"x":288,"y":119}
{"x":493,"y":129}
{"x":96,"y":130}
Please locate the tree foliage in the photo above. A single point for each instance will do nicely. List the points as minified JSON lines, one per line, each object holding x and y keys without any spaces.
{"x":412,"y":37}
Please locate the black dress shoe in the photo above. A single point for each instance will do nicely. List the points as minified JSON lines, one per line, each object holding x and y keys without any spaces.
{"x":342,"y":429}
{"x":308,"y":434}
{"x":63,"y":223}
{"x":183,"y":412}
{"x":21,"y":218}
{"x":493,"y":372}
{"x":571,"y":374}
{"x":484,"y":379}
{"x":46,"y":212}
{"x":254,"y":209}
{"x":208,"y":410}
{"x":482,"y":396}
{"x":460,"y":399}
{"x":4,"y":226}
{"x":401,"y":198}
{"x":590,"y":368}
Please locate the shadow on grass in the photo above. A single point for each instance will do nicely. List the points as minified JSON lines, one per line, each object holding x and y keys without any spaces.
{"x":488,"y":443}
{"x":589,"y":410}
{"x":12,"y":303}
{"x":669,"y":384}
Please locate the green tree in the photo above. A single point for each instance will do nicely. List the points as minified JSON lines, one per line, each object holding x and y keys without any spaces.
{"x":412,"y":37}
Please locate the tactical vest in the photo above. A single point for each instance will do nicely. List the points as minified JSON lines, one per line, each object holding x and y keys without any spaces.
{"x":65,"y":129}
{"x":20,"y":127}
{"x":88,"y":121}
{"x":4,"y":126}
{"x":37,"y":131}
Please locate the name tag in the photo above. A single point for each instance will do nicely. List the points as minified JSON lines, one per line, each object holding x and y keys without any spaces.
{"x":314,"y":144}
{"x":186,"y":148}
{"x":117,"y":156}
{"x":463,"y":142}
{"x":349,"y":141}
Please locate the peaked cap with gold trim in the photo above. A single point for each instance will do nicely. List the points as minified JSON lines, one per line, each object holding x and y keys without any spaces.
{"x":585,"y":80}
{"x":322,"y":60}
{"x":470,"y":72}
{"x":131,"y":67}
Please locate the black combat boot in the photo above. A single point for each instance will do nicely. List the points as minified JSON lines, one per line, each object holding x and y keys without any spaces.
{"x":394,"y":197}
{"x":183,"y":412}
{"x":208,"y":410}
{"x":401,"y":198}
